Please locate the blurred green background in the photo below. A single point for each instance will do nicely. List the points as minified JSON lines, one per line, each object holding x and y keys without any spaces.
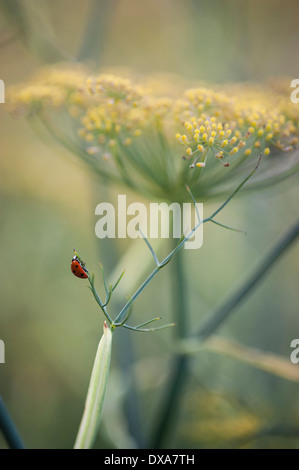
{"x":49,"y":321}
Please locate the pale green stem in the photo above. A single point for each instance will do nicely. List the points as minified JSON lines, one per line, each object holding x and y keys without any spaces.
{"x":96,"y":393}
{"x":94,"y":34}
{"x":177,"y":380}
{"x":264,"y":360}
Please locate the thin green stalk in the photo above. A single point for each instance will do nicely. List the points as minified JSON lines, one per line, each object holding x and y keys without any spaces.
{"x":122,"y":313}
{"x":96,"y":393}
{"x":179,"y":294}
{"x":178,"y":369}
{"x":124,"y":310}
{"x":169,"y":402}
{"x":9,"y":429}
{"x":272,"y":363}
{"x":125,"y":354}
{"x":97,"y":298}
{"x":237,"y":189}
{"x":120,"y":317}
{"x":147,"y":330}
{"x":179,"y":373}
{"x":132,"y":406}
{"x":214,"y":320}
{"x":95,"y":29}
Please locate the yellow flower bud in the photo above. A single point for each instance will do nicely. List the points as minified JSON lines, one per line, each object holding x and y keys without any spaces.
{"x":188,"y":126}
{"x":127,"y":141}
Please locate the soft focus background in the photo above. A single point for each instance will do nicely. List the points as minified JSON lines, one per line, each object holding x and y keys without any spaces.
{"x":49,"y":321}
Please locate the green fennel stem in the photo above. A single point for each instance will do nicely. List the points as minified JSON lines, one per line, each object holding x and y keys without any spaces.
{"x":9,"y":429}
{"x":179,"y":294}
{"x":178,"y":369}
{"x":179,"y":372}
{"x":96,"y":393}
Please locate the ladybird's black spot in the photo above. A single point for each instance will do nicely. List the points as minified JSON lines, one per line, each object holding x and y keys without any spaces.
{"x":74,"y":271}
{"x":82,"y":274}
{"x":76,"y":265}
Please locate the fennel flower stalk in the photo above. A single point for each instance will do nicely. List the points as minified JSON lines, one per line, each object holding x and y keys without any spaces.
{"x":155,"y":139}
{"x":96,"y":393}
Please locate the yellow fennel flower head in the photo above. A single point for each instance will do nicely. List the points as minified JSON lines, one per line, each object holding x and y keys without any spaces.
{"x":51,"y":87}
{"x":155,"y":136}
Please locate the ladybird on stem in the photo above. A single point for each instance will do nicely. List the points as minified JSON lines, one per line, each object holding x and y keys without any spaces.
{"x":78,"y":267}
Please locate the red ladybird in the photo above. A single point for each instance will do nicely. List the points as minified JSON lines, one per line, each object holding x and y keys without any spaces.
{"x":78,"y":268}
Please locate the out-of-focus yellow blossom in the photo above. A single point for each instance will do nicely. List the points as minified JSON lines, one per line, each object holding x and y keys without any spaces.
{"x":134,"y":133}
{"x":215,"y":418}
{"x":52,"y":87}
